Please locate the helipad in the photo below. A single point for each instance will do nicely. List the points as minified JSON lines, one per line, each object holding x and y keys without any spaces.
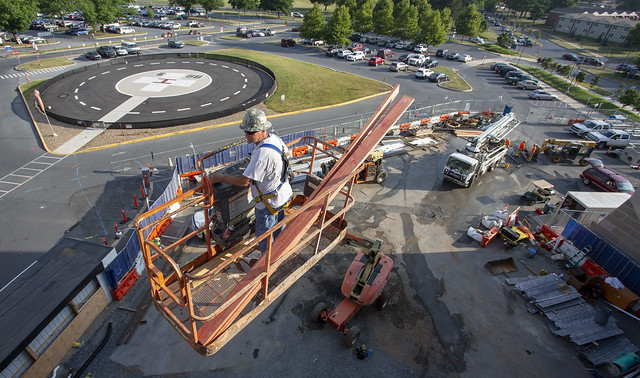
{"x":155,"y":91}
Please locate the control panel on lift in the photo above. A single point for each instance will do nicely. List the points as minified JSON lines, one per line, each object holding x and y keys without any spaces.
{"x":233,"y":206}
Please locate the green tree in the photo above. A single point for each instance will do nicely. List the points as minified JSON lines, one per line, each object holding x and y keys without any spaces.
{"x":546,"y":63}
{"x":433,"y":27}
{"x":538,"y":9}
{"x":363,"y":18}
{"x":16,"y":15}
{"x":351,"y":5}
{"x":244,"y":4}
{"x":339,"y":27}
{"x":633,"y":38}
{"x":581,"y":76}
{"x":468,"y":22}
{"x":630,"y":97}
{"x":186,"y":4}
{"x":504,"y":40}
{"x":150,"y":12}
{"x":383,"y":17}
{"x":595,"y":81}
{"x":324,"y":3}
{"x":564,"y":70}
{"x":489,"y":6}
{"x":628,"y":5}
{"x":313,"y":24}
{"x":210,"y":5}
{"x":406,"y":20}
{"x":280,"y":6}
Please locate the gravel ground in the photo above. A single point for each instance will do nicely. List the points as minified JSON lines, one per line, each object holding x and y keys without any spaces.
{"x":65,"y":132}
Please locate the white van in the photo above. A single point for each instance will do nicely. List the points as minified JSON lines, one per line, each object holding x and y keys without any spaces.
{"x":125,"y":30}
{"x":131,"y":47}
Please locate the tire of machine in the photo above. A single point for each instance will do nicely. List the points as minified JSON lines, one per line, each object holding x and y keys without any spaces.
{"x":317,"y":311}
{"x":351,"y":337}
{"x":381,"y":176}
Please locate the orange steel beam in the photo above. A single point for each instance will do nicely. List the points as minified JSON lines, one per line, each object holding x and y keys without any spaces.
{"x":369,"y":137}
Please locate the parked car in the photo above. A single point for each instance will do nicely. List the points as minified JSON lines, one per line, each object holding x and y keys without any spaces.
{"x":594,"y":61}
{"x":267,"y":31}
{"x":357,"y":55}
{"x":385,"y":53}
{"x":132,"y":47}
{"x":464,"y":58}
{"x":416,"y":59}
{"x":572,"y":57}
{"x":403,"y":58}
{"x":343,"y":53}
{"x":438,"y":77}
{"x":176,"y":44}
{"x":356,"y":46}
{"x":331,"y":52}
{"x":400,"y":45}
{"x":625,"y":67}
{"x":291,"y":42}
{"x":430,"y":63}
{"x":423,"y":73}
{"x":540,"y":94}
{"x":398,"y":66}
{"x":529,"y":84}
{"x":297,"y":15}
{"x":121,"y":51}
{"x":452,"y":55}
{"x":421,"y":48}
{"x":376,"y":61}
{"x":93,"y":55}
{"x":477,"y":40}
{"x":107,"y":52}
{"x":606,"y":180}
{"x":441,"y":53}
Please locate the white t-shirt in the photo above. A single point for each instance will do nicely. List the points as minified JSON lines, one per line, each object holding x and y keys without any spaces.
{"x":265,"y":169}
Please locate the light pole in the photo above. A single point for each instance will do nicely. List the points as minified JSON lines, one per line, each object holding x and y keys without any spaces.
{"x":521,"y":52}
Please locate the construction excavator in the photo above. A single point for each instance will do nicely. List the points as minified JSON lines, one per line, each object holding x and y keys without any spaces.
{"x":210,"y":289}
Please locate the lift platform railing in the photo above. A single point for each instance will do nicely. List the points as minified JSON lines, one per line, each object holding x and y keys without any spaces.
{"x":202,"y":197}
{"x":212,"y":297}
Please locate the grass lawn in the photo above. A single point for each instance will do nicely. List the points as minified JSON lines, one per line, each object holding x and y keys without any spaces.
{"x":456,"y":81}
{"x":576,"y":92}
{"x":306,"y":86}
{"x":45,"y":63}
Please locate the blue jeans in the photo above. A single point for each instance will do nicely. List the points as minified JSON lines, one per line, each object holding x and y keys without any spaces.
{"x":264,"y":221}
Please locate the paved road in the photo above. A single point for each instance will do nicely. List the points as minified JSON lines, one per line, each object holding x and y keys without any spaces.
{"x":75,"y":189}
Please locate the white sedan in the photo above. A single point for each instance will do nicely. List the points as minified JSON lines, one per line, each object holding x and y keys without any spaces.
{"x":423,"y":73}
{"x":465,"y":58}
{"x":539,"y":94}
{"x":529,"y":84}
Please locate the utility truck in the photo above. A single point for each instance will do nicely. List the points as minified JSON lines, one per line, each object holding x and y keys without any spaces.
{"x":481,"y":154}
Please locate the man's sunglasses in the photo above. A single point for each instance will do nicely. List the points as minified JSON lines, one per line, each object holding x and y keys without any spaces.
{"x":248,"y":132}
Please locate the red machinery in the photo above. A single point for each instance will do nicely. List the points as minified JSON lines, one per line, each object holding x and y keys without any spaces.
{"x":362,"y":285}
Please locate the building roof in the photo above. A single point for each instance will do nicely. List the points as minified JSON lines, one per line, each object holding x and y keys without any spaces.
{"x":32,"y":300}
{"x":599,"y":200}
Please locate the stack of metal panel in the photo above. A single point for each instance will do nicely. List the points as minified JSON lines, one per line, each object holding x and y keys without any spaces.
{"x":571,"y":316}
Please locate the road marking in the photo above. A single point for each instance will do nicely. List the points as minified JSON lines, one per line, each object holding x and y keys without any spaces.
{"x":224,"y":99}
{"x":36,"y":171}
{"x":207,"y":104}
{"x":183,"y":109}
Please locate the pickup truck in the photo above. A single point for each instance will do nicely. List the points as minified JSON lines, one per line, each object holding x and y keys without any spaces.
{"x":582,"y":129}
{"x":610,"y":138}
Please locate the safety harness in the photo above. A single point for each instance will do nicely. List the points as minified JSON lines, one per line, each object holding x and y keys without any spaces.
{"x":284,"y":177}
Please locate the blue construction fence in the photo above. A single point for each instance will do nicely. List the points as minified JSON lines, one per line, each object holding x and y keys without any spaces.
{"x":229,"y":154}
{"x":126,"y":258}
{"x":605,"y":255}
